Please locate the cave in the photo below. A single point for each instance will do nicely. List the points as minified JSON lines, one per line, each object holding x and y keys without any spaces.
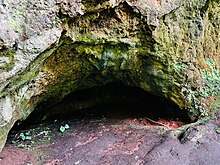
{"x":114,"y":101}
{"x":135,"y":81}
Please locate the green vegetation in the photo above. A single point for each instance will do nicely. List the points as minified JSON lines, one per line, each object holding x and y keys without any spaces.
{"x":29,"y":138}
{"x":211,"y":79}
{"x":64,"y":128}
{"x":9,"y":55}
{"x":25,"y":136}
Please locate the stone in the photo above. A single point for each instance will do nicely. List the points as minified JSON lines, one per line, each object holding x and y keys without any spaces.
{"x":52,"y":48}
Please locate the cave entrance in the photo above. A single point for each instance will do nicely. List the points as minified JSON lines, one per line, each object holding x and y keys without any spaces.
{"x":114,"y":101}
{"x":113,"y":111}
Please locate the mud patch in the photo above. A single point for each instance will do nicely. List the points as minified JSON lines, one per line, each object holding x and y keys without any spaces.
{"x":15,"y":156}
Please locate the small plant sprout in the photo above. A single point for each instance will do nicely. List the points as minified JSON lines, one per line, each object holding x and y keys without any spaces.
{"x":63,"y":128}
{"x":25,"y":136}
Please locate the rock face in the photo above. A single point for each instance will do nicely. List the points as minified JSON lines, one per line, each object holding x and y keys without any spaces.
{"x":51,"y":48}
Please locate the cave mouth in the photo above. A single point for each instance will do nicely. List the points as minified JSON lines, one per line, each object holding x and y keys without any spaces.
{"x":113,"y":101}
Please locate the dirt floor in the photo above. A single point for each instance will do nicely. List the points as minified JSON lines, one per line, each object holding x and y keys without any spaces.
{"x":114,"y":139}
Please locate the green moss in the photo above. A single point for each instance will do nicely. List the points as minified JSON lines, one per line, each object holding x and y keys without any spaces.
{"x":29,"y":73}
{"x":9,"y":54}
{"x":211,"y":79}
{"x":93,"y":5}
{"x":202,"y":98}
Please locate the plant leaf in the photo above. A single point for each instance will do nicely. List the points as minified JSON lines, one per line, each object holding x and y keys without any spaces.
{"x":62,"y":129}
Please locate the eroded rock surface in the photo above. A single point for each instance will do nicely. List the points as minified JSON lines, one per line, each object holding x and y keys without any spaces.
{"x":52,"y":48}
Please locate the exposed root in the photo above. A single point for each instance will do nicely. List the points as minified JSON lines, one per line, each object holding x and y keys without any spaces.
{"x":155,"y":122}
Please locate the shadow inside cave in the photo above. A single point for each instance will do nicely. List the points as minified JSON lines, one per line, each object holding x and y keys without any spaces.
{"x":111,"y":102}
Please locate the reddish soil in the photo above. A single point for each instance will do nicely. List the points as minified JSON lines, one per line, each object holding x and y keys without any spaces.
{"x":15,"y":156}
{"x":110,"y":141}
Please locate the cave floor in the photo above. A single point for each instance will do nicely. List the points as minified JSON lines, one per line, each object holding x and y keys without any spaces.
{"x":106,"y":140}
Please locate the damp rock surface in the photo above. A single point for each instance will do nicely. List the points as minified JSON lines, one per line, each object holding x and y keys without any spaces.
{"x":52,"y":48}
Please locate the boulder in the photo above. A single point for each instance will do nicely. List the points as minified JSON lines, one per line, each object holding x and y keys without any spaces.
{"x":169,"y":48}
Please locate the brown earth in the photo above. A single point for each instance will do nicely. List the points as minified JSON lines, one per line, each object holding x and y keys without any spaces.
{"x":115,"y":138}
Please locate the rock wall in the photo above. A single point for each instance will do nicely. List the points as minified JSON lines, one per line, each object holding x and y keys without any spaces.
{"x":51,"y":48}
